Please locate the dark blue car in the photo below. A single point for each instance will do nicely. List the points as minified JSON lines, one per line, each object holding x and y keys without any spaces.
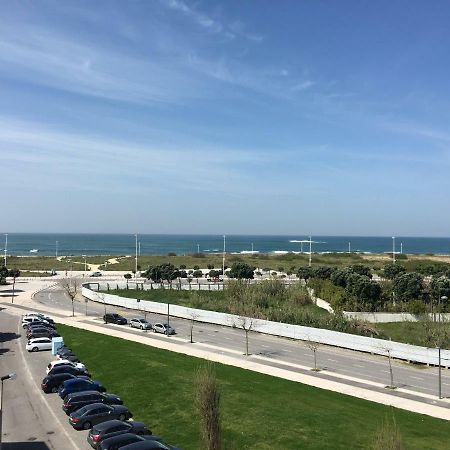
{"x":78,"y":385}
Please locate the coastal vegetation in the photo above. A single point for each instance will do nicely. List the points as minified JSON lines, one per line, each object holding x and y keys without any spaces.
{"x":309,"y":418}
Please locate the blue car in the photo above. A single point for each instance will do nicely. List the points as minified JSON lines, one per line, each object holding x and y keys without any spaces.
{"x":78,"y":385}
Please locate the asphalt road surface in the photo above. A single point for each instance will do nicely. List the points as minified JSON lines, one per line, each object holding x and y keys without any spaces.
{"x":281,"y":351}
{"x":32,"y":420}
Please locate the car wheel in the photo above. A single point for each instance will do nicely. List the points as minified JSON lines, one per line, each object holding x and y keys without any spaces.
{"x":122,"y":417}
{"x":34,"y":349}
{"x":87,"y":425}
{"x":54,"y":389}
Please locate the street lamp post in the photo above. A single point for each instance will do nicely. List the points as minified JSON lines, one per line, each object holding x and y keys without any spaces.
{"x":6,"y":246}
{"x":56,"y":249}
{"x":223,"y":259}
{"x":10,"y":376}
{"x":136,"y":262}
{"x":310,"y":250}
{"x":84,"y":256}
{"x":393,"y":249}
{"x":444,"y":299}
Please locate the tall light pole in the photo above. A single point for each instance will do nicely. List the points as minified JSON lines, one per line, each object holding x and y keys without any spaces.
{"x":310,"y":250}
{"x":84,"y":256}
{"x":444,"y":298}
{"x":223,"y":259}
{"x":6,"y":246}
{"x":10,"y":376}
{"x":136,"y":262}
{"x":349,"y":248}
{"x":393,"y":249}
{"x":56,"y":249}
{"x":198,"y":249}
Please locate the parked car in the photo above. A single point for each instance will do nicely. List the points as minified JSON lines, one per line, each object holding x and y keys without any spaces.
{"x":43,"y":343}
{"x":78,"y":385}
{"x":37,"y":314}
{"x":51,"y":383}
{"x":114,"y":318}
{"x":89,"y":415}
{"x":40,"y":323}
{"x":41,"y":332}
{"x":112,"y":428}
{"x":142,"y":324}
{"x":63,"y":349}
{"x":34,"y":319}
{"x":71,"y":358}
{"x":69,"y":368}
{"x":95,"y":274}
{"x":59,"y":362}
{"x":119,"y":441}
{"x":75,"y":401}
{"x":163,"y":328}
{"x":147,"y":445}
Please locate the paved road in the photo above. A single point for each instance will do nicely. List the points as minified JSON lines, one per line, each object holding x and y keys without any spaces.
{"x":32,"y":420}
{"x":279,"y":351}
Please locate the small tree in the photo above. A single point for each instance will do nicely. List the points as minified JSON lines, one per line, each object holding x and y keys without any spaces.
{"x":15,"y":273}
{"x":313,"y":346}
{"x":194,"y":317}
{"x":127,"y":276}
{"x":71,"y":286}
{"x":3,"y":275}
{"x":387,"y":350}
{"x":208,"y":406}
{"x":247,"y":324}
{"x":241,"y":270}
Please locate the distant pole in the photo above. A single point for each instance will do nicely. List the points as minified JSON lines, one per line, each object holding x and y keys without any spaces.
{"x":84,"y":256}
{"x":401,"y":248}
{"x":440,"y":375}
{"x":139,"y":248}
{"x":393,"y":249}
{"x":223,"y":259}
{"x":168,"y":319}
{"x":349,"y":248}
{"x":6,"y":246}
{"x":310,"y":250}
{"x":136,"y":261}
{"x":198,"y":249}
{"x":252,"y":247}
{"x":56,"y":249}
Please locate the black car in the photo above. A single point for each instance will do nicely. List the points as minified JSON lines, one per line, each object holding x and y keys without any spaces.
{"x":51,"y":383}
{"x":31,"y":325}
{"x":112,"y":428}
{"x":89,"y":415}
{"x":63,"y":350}
{"x":75,"y":401}
{"x":114,"y":318}
{"x":68,"y":368}
{"x":117,"y":442}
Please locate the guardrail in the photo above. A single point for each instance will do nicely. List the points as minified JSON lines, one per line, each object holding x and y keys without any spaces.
{"x":383,"y":347}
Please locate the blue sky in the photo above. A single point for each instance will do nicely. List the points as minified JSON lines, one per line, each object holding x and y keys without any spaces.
{"x":259,"y":117}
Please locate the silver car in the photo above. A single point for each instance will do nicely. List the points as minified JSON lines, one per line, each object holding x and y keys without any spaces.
{"x":163,"y":328}
{"x":142,"y":324}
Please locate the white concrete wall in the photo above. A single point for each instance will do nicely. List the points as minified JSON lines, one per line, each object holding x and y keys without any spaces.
{"x":365,"y":344}
{"x":383,"y":317}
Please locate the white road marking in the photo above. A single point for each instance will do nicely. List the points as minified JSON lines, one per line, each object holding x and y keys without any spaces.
{"x":417,"y":378}
{"x":332,"y":360}
{"x":357,"y":365}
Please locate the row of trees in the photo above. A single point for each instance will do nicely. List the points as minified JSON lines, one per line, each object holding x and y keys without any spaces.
{"x":354,"y":287}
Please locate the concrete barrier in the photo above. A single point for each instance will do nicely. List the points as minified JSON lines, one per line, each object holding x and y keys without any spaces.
{"x":383,"y":347}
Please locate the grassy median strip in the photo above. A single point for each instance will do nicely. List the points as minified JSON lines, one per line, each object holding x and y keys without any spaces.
{"x":258,"y":411}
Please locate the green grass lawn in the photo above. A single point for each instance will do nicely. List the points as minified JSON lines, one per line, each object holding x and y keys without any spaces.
{"x":258,"y":411}
{"x":208,"y":300}
{"x":414,"y":332}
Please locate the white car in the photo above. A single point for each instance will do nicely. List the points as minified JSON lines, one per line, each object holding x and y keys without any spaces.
{"x":140,"y":323}
{"x":64,"y":361}
{"x":163,"y":328}
{"x":32,"y":319}
{"x":36,"y":314}
{"x":36,"y":344}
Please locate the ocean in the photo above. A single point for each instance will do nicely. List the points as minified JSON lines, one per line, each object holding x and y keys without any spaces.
{"x":156,"y":244}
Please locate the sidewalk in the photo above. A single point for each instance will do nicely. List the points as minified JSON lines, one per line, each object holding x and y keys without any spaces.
{"x":403,"y":399}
